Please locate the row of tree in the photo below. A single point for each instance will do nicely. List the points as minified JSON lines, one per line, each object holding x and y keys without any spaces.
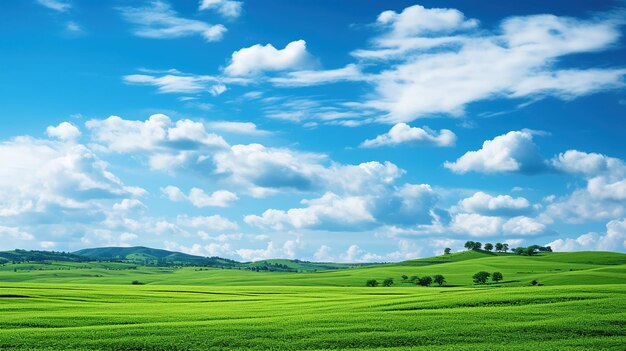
{"x":423,"y":281}
{"x":476,"y":245}
{"x":482,"y":277}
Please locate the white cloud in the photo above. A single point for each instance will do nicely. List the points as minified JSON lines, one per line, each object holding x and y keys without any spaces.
{"x":613,"y":240}
{"x":476,"y":225}
{"x":217,"y":89}
{"x":501,"y":205}
{"x":56,"y":5}
{"x":448,"y":71}
{"x":219,"y":198}
{"x":406,"y":205}
{"x":159,"y":21}
{"x":323,"y":254}
{"x":64,"y":131}
{"x":417,"y":20}
{"x":247,"y":128}
{"x":226,"y":8}
{"x":271,"y":251}
{"x":168,"y":145}
{"x":328,"y":212}
{"x":14,"y":233}
{"x":198,"y":198}
{"x":604,"y":195}
{"x":402,"y":133}
{"x":522,"y":225}
{"x":173,"y":193}
{"x":207,"y":223}
{"x":512,"y":152}
{"x":349,"y":73}
{"x":73,"y":27}
{"x":54,"y":180}
{"x":261,"y":58}
{"x":128,"y":204}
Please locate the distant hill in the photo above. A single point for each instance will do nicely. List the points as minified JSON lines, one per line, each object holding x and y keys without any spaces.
{"x":39,"y":256}
{"x":140,"y":255}
{"x":146,"y":255}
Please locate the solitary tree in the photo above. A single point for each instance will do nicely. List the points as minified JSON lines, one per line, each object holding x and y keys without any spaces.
{"x":488,"y":246}
{"x":425,"y":281}
{"x":469,"y":245}
{"x":371,"y":282}
{"x":388,"y":282}
{"x":499,"y":246}
{"x":505,"y":247}
{"x":446,"y":251}
{"x":404,"y":277}
{"x":481,"y":277}
{"x":439,"y":279}
{"x":496,"y":276}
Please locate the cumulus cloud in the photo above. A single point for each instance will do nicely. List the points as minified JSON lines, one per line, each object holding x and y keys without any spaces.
{"x":159,"y":21}
{"x":287,"y":250}
{"x":604,"y":195}
{"x":328,"y":212}
{"x":402,"y":133}
{"x":406,"y":205}
{"x":54,"y":180}
{"x":64,"y":131}
{"x":514,"y":152}
{"x":168,"y":145}
{"x":227,"y":8}
{"x":501,"y":205}
{"x":258,"y":58}
{"x":198,"y":198}
{"x":613,"y":240}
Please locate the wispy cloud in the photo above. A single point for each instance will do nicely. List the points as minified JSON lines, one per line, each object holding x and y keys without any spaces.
{"x":158,"y":20}
{"x":56,"y":5}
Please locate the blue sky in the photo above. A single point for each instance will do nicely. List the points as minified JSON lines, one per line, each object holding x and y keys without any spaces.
{"x":318,"y":130}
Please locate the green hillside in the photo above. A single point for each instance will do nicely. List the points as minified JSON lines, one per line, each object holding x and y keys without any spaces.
{"x":126,"y":304}
{"x":547,"y":268}
{"x":39,"y":256}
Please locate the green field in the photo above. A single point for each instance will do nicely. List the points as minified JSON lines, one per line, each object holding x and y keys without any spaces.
{"x":579,"y":304}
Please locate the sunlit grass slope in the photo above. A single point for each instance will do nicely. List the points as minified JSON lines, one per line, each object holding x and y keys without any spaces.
{"x":154,"y":317}
{"x":578,"y":268}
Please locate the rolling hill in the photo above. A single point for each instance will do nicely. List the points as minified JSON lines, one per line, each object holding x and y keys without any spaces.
{"x":580,"y":268}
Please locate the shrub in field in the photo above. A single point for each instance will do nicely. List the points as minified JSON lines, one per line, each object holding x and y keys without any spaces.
{"x":534,"y":282}
{"x":388,"y":282}
{"x":496,"y":276}
{"x":439,"y":279}
{"x":481,"y":277}
{"x":371,"y":283}
{"x":404,"y":277}
{"x":414,"y":278}
{"x":425,"y":281}
{"x":136,"y":282}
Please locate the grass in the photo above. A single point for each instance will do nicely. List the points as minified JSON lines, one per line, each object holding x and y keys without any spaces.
{"x":93,"y":306}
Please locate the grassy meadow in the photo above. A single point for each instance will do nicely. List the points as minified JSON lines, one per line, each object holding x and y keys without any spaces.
{"x":579,"y":303}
